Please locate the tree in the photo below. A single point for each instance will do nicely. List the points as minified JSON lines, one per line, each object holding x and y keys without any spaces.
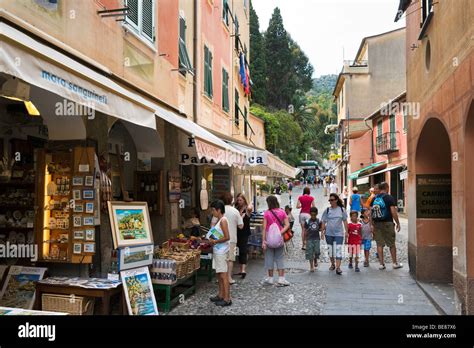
{"x":303,"y":70}
{"x":257,"y":60}
{"x":279,"y":63}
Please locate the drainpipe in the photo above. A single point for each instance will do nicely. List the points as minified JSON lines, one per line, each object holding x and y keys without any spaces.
{"x":372,"y":159}
{"x":197,"y":179}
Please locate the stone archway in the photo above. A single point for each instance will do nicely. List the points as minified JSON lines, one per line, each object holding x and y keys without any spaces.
{"x":469,"y":210}
{"x":434,"y":237}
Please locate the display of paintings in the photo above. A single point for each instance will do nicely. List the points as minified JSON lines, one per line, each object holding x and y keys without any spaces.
{"x":76,"y":195}
{"x":130,"y":223}
{"x":133,"y":257}
{"x":139,"y":292}
{"x":89,"y":181}
{"x":78,"y":208}
{"x":19,"y":287}
{"x":77,"y":248}
{"x":88,"y":194}
{"x":90,"y":207}
{"x":18,"y":311}
{"x":89,"y":221}
{"x":77,"y":181}
{"x":90,"y":235}
{"x":77,"y":221}
{"x":78,"y":234}
{"x":89,"y":247}
{"x":174,"y":187}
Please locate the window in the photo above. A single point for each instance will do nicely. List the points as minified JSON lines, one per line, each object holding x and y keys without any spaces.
{"x":225,"y":90}
{"x":342,"y":98}
{"x":225,"y":12}
{"x":141,"y":17}
{"x":426,"y":9}
{"x":184,"y":61}
{"x":208,"y":72}
{"x":246,"y":6}
{"x":379,"y":128}
{"x":246,"y":122}
{"x":393,"y":129}
{"x":236,"y":26}
{"x":405,"y":120}
{"x":237,"y":109}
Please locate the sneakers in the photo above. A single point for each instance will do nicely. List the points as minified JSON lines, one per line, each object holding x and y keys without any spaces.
{"x":268,"y":281}
{"x":215,"y":299}
{"x":350,"y":266}
{"x":223,"y":303}
{"x":357,"y":269}
{"x":382,"y":267}
{"x":366,"y":264}
{"x":397,"y":265}
{"x":283,"y":282}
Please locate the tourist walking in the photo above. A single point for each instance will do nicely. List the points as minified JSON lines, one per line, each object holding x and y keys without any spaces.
{"x":334,"y":229}
{"x":219,"y":237}
{"x":290,"y":190}
{"x":333,"y":188}
{"x":344,"y":196}
{"x":305,"y":202}
{"x":243,"y":233}
{"x":355,"y":239}
{"x":313,"y":248}
{"x":355,"y":202}
{"x":383,"y":214}
{"x":367,"y":234}
{"x":275,"y":224}
{"x":234,"y":220}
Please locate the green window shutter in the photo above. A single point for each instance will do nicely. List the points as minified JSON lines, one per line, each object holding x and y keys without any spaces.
{"x":246,"y":122}
{"x":207,"y":72}
{"x":132,"y":16}
{"x":211,"y":91}
{"x":184,"y":60}
{"x":379,"y":128}
{"x":225,"y":90}
{"x":237,"y":109}
{"x":148,"y":29}
{"x":225,"y":11}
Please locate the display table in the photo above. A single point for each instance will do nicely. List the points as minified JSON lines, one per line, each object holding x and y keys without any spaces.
{"x":206,"y":267}
{"x":171,"y":294}
{"x":103,"y":294}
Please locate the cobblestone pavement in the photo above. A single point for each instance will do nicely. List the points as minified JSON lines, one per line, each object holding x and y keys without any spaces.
{"x":370,"y":292}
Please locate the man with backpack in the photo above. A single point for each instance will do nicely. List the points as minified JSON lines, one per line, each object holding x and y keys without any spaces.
{"x":383,"y":214}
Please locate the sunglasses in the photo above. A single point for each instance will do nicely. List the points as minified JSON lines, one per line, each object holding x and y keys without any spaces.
{"x":331,"y":200}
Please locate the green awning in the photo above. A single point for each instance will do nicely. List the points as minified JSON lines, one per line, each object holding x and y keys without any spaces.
{"x":356,"y":174}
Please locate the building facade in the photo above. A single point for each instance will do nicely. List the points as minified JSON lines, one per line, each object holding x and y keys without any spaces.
{"x":374,"y":77}
{"x":440,"y":75}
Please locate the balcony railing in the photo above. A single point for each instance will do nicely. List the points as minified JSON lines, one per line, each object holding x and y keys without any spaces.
{"x":387,"y":143}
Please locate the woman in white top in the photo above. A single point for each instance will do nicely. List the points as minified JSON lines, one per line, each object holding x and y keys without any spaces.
{"x":219,"y":238}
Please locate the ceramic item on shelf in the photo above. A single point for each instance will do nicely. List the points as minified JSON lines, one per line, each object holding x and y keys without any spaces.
{"x":20,"y":238}
{"x":51,"y":189}
{"x":12,"y":237}
{"x":30,"y":214}
{"x":17,"y":215}
{"x":24,"y":221}
{"x":31,"y":237}
{"x":3,"y":220}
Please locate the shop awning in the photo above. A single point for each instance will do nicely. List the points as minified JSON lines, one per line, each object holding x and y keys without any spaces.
{"x":361,"y":172}
{"x":199,"y":146}
{"x":44,"y":67}
{"x":262,"y":163}
{"x":382,"y":171}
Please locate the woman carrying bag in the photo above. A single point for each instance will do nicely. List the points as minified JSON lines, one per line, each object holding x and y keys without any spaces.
{"x":275,"y":226}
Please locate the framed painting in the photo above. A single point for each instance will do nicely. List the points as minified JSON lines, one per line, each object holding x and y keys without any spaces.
{"x":139,"y":292}
{"x":130,"y":223}
{"x":19,"y":287}
{"x":134,"y":257}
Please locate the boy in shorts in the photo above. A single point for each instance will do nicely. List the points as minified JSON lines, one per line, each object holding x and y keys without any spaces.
{"x":313,"y":227}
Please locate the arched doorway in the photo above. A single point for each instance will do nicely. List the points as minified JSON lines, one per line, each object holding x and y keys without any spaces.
{"x":469,"y":212}
{"x":434,"y":239}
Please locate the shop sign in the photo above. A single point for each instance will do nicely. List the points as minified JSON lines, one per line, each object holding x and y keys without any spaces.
{"x":188,"y":154}
{"x":433,"y":196}
{"x":404,"y":175}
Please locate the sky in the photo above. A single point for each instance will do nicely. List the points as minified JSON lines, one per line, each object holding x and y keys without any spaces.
{"x":330,"y":31}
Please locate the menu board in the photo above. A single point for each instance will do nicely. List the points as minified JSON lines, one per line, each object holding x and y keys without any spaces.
{"x":433,"y":196}
{"x":220,"y":182}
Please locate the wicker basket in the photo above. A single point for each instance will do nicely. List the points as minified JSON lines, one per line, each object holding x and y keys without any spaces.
{"x":76,"y":305}
{"x":181,"y":269}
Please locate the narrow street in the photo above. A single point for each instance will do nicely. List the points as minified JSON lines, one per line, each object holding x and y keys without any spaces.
{"x":370,"y":292}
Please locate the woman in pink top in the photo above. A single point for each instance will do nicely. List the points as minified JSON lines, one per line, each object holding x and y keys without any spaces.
{"x":305,"y":202}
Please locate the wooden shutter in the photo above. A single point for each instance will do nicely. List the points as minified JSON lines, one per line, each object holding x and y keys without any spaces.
{"x":148,"y":29}
{"x":132,"y":16}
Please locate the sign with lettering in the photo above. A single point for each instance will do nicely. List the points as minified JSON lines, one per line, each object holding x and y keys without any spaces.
{"x":433,"y":196}
{"x":220,"y":182}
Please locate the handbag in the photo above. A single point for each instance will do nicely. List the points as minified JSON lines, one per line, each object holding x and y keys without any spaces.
{"x":288,"y":234}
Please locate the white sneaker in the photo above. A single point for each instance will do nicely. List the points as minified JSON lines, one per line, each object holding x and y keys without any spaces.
{"x":382,"y":267}
{"x":268,"y":281}
{"x":283,"y":282}
{"x":397,"y":265}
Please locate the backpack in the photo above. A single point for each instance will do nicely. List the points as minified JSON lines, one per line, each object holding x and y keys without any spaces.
{"x":379,"y":208}
{"x":274,"y":237}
